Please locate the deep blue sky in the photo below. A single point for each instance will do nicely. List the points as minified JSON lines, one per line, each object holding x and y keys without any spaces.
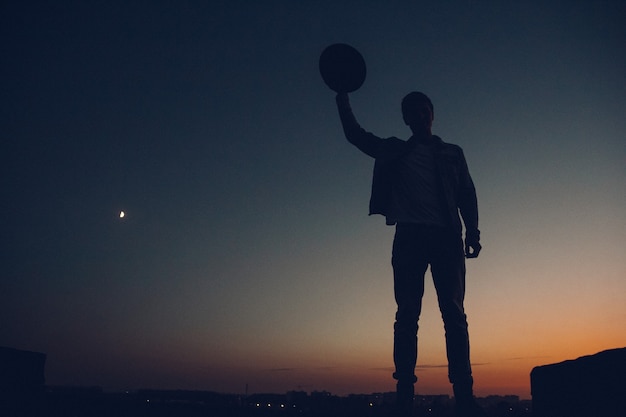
{"x":247,"y":255}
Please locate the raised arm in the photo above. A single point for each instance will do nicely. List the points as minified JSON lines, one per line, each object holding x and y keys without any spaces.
{"x":367,"y":142}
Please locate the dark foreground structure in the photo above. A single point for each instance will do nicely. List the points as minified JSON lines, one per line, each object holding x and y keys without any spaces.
{"x":22,"y":381}
{"x":592,"y":385}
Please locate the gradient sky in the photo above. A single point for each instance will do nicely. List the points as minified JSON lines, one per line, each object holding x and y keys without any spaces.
{"x":246,"y":255}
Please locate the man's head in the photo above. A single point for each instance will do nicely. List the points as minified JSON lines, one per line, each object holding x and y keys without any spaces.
{"x":418,"y":112}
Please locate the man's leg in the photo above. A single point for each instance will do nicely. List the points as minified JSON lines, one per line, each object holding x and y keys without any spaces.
{"x":448,"y":269}
{"x":409,"y":266}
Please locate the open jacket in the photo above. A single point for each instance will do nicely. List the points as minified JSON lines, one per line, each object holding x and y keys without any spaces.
{"x":457,"y":191}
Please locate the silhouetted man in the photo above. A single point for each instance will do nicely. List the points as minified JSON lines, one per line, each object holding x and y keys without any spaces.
{"x":420,"y":186}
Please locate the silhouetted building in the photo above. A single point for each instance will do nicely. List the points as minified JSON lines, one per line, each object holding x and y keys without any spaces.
{"x":267,"y":401}
{"x":297,"y":398}
{"x":588,"y":386}
{"x":22,"y":381}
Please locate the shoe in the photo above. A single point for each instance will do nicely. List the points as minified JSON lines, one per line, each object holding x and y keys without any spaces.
{"x":404,"y":399}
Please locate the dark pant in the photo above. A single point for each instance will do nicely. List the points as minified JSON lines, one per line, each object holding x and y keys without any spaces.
{"x":414,"y":248}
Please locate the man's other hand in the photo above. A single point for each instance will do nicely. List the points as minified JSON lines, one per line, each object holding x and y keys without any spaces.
{"x":472,"y":249}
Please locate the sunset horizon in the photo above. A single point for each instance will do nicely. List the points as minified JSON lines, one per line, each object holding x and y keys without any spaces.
{"x":492,"y":378}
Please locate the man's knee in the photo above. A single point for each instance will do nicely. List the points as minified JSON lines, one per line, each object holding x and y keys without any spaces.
{"x":406,"y":321}
{"x":453,"y":315}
